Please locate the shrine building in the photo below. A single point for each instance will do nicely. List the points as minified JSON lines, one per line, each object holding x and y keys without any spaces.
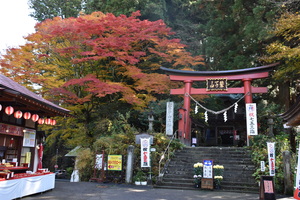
{"x":21,"y":111}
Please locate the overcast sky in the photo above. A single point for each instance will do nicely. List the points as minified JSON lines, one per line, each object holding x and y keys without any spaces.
{"x":14,"y":23}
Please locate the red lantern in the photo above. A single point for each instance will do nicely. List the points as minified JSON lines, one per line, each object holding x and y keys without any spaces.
{"x":18,"y":114}
{"x":35,"y":117}
{"x":27,"y":115}
{"x":48,"y":121}
{"x":41,"y":120}
{"x":9,"y":110}
{"x":53,"y":122}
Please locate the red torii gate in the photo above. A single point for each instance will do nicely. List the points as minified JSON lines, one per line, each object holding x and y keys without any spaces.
{"x":188,"y":77}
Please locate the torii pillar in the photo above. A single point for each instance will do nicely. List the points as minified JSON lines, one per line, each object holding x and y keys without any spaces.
{"x":188,"y":77}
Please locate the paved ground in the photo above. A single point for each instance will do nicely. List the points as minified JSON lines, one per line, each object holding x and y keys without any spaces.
{"x":65,"y":190}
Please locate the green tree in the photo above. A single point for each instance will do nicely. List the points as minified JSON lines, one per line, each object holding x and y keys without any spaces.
{"x":285,"y":48}
{"x":48,"y":9}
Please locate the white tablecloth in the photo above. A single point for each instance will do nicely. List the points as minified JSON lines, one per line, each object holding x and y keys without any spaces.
{"x":17,"y":188}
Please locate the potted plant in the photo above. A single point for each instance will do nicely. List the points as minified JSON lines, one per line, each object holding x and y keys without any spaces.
{"x":198,"y":172}
{"x":140,"y":178}
{"x":218,"y":175}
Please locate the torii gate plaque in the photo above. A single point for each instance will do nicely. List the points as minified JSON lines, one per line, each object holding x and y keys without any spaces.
{"x":217,"y":80}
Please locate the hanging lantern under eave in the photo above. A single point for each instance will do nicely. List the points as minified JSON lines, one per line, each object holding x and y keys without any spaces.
{"x":18,"y":114}
{"x":0,"y":107}
{"x":27,"y":115}
{"x":48,"y":121}
{"x":41,"y":121}
{"x":35,"y":117}
{"x":9,"y":110}
{"x":53,"y":122}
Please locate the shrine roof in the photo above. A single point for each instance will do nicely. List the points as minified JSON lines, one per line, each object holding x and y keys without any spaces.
{"x":292,"y":115}
{"x":265,"y":68}
{"x":14,"y":94}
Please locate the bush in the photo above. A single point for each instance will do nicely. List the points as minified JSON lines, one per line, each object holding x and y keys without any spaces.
{"x":260,"y":153}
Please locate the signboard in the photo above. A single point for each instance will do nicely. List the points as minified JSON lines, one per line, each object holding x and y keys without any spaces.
{"x":11,"y":130}
{"x":29,"y":138}
{"x":262,"y":166}
{"x":114,"y":162}
{"x":98,"y":162}
{"x":266,"y":189}
{"x":170,"y":118}
{"x":208,"y":169}
{"x":145,"y":152}
{"x":207,"y":183}
{"x":297,"y":182}
{"x":216,"y":84}
{"x":271,"y":157}
{"x":251,"y":118}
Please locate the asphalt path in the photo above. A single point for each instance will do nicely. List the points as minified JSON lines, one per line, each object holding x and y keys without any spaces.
{"x":65,"y":190}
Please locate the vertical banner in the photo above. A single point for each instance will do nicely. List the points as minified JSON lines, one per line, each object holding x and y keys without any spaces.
{"x":169,"y":118}
{"x":271,"y":157}
{"x":145,"y":152}
{"x":297,"y":182}
{"x":251,"y":118}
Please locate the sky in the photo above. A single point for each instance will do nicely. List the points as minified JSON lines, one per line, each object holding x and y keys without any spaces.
{"x":14,"y":23}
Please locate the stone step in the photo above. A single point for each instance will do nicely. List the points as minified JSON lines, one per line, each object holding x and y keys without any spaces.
{"x":238,"y":168}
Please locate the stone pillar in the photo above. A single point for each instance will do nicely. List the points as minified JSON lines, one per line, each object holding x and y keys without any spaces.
{"x":271,"y":125}
{"x":288,"y":183}
{"x":129,"y":168}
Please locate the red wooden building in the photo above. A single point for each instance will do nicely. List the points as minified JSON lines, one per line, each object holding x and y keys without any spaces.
{"x":21,"y":112}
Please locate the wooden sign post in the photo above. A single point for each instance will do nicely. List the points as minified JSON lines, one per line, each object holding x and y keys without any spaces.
{"x":266,"y":190}
{"x":207,"y":182}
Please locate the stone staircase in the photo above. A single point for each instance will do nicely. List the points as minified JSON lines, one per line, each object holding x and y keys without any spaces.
{"x":238,"y":168}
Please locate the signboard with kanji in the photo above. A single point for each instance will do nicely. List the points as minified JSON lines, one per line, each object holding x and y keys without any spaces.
{"x":266,"y":190}
{"x":208,"y":169}
{"x":145,"y":152}
{"x":114,"y":162}
{"x":271,"y":157}
{"x":170,"y":118}
{"x":216,"y":84}
{"x":98,"y":162}
{"x":251,"y":118}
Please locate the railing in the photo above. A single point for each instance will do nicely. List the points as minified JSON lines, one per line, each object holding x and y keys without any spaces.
{"x":167,"y":151}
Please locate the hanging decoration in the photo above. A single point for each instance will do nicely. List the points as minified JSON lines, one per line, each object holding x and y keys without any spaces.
{"x":224,"y":111}
{"x":196,"y":109}
{"x":53,"y":122}
{"x":225,"y":116}
{"x":9,"y":110}
{"x":18,"y":114}
{"x":0,"y":107}
{"x":35,"y":117}
{"x":235,"y":107}
{"x":48,"y":121}
{"x":41,"y":121}
{"x":206,"y":116}
{"x":27,"y":115}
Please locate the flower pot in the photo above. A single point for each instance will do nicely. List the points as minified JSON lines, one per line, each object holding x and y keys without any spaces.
{"x":144,"y":183}
{"x":137,"y":183}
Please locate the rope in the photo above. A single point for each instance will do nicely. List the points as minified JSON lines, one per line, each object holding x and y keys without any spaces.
{"x":212,"y":111}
